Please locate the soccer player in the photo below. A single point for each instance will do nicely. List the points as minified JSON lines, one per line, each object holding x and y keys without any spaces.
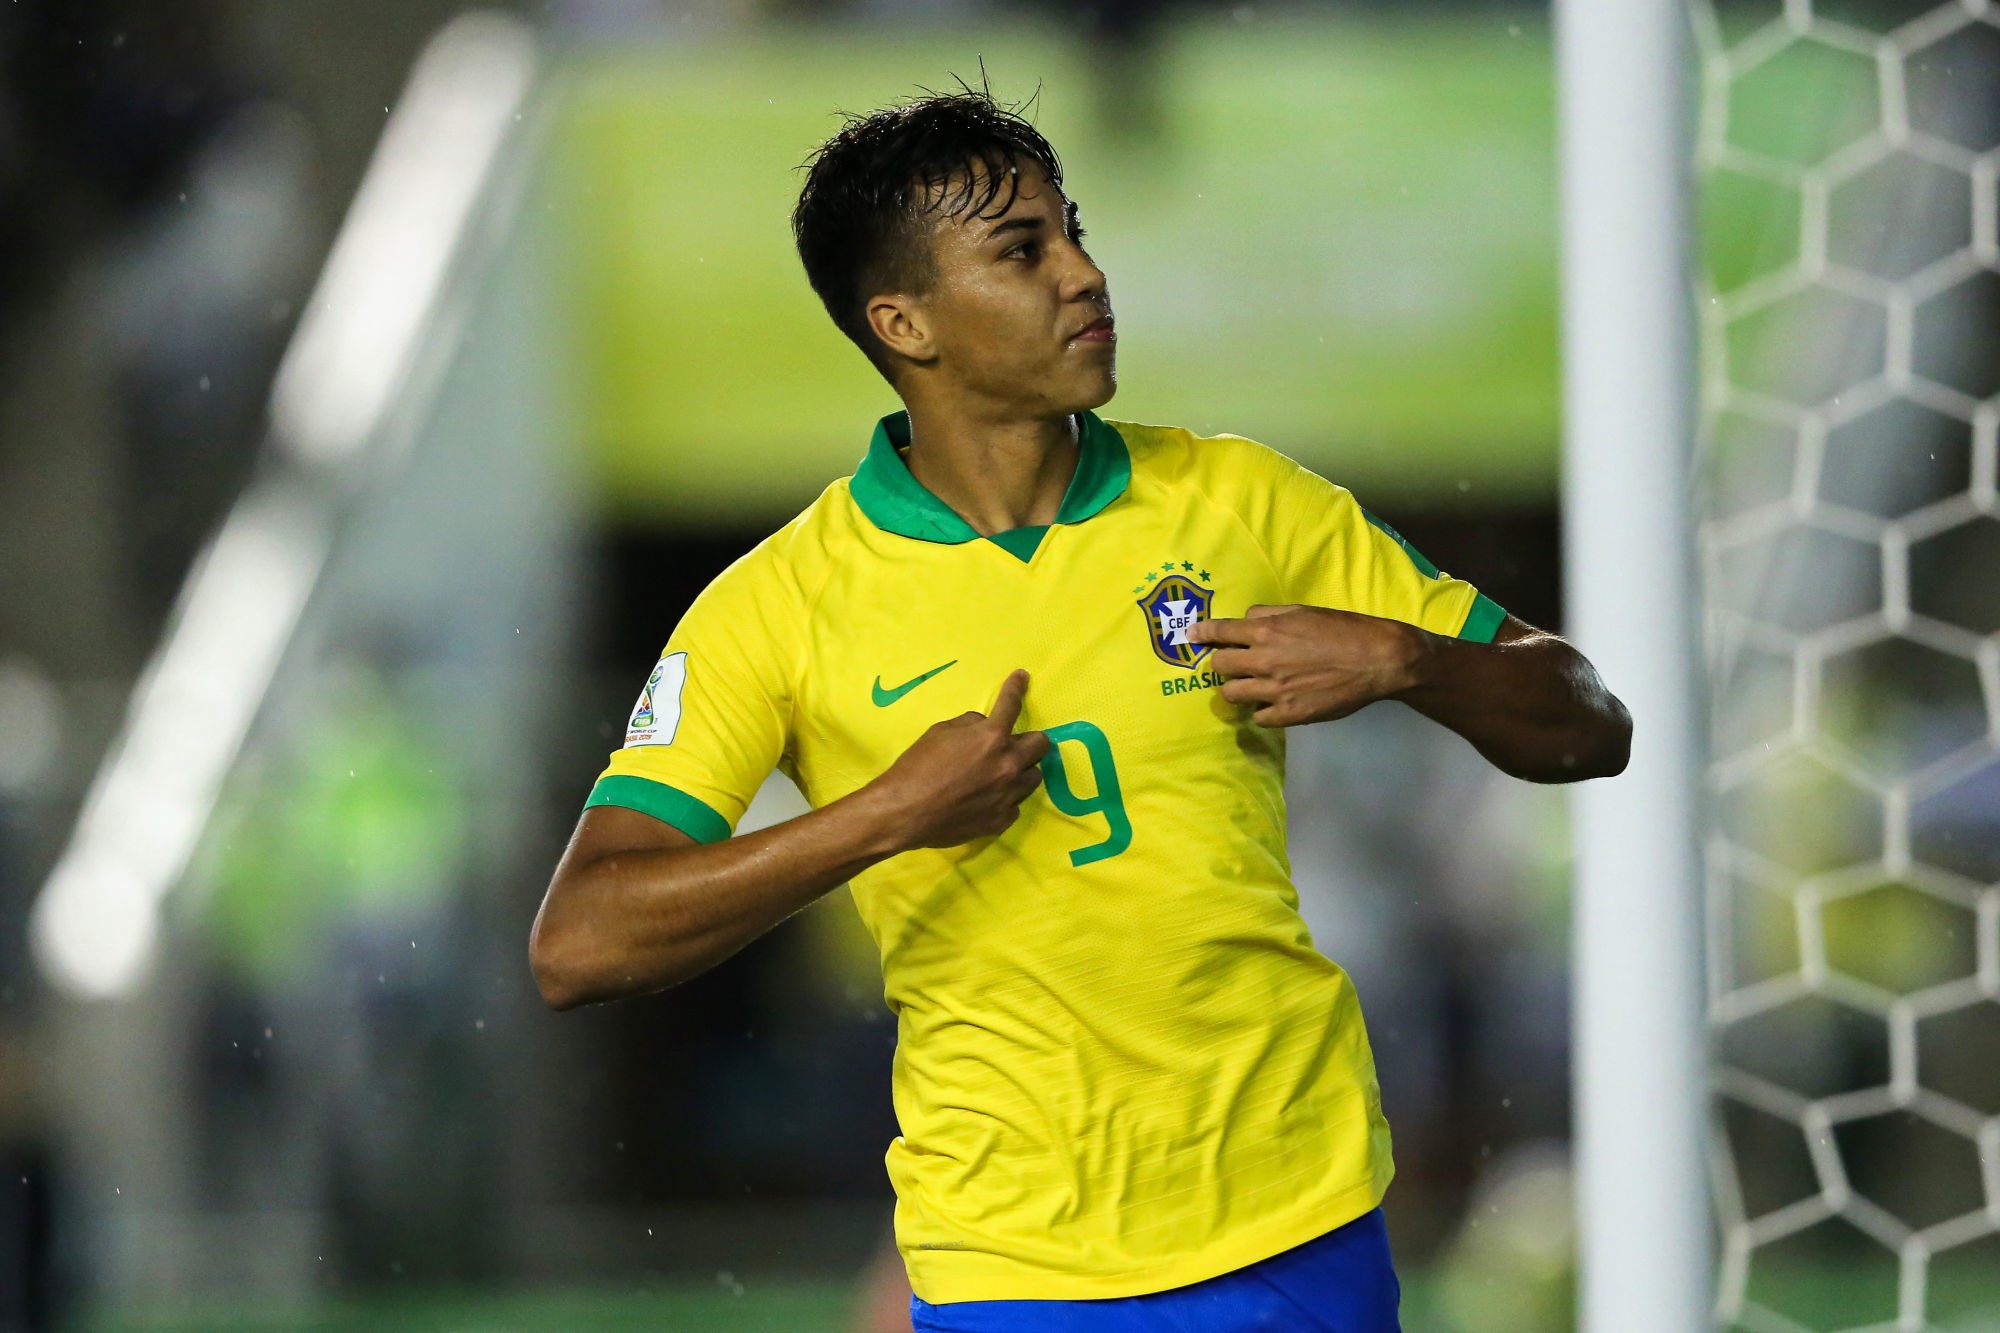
{"x":1033,"y":668}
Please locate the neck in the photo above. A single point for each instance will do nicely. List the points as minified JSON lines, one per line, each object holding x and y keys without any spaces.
{"x":996,"y":474}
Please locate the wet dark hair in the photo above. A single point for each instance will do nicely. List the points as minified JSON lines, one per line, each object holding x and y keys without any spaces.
{"x":861,"y":220}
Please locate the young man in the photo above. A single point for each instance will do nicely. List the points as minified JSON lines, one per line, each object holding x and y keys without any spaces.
{"x":1032,"y":668}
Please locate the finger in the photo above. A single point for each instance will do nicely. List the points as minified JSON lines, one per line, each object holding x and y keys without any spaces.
{"x":1259,"y":611}
{"x":1025,"y":785}
{"x":1006,"y":708}
{"x":1219,"y":631}
{"x":1031,"y":746}
{"x":1232,"y":662}
{"x":1249,"y":690}
{"x":1272,"y":715}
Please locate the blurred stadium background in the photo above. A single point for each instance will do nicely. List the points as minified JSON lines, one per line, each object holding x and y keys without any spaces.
{"x":340,"y":520}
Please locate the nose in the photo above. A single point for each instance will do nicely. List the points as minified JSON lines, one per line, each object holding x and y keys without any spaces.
{"x":1083,"y":280}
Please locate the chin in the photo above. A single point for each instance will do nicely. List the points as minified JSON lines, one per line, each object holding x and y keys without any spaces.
{"x":1099,"y":394}
{"x":1061,"y":395}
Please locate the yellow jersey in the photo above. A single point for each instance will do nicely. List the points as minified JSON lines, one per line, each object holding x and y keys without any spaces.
{"x":1121,"y":1064}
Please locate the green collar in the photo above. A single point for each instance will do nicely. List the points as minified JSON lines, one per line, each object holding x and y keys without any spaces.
{"x":897,"y":502}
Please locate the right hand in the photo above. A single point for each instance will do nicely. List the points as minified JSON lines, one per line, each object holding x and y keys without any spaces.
{"x":965,"y":777}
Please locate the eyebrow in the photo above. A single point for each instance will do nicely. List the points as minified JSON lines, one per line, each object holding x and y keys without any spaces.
{"x":1034,"y":223}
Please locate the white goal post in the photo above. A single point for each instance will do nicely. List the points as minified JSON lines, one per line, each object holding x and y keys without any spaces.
{"x":1629,"y":401}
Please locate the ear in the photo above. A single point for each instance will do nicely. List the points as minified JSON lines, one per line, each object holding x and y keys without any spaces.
{"x":900,"y":322}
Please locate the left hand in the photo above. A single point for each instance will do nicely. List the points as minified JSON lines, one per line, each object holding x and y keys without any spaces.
{"x":1302,"y":664}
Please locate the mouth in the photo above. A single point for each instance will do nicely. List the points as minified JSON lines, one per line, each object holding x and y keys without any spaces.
{"x":1103,"y":330}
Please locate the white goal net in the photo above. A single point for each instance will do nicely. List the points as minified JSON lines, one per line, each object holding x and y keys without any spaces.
{"x":1850,"y":546}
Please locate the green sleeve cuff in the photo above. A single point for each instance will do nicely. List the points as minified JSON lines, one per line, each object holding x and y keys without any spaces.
{"x":1483,"y":621}
{"x":692,"y":816}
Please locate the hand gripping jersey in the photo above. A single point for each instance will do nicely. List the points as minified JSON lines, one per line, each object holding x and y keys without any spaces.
{"x":1121,"y":1065}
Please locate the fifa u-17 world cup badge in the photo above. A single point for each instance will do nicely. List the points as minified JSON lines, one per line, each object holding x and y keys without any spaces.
{"x":657,"y":715}
{"x":1172,"y":607}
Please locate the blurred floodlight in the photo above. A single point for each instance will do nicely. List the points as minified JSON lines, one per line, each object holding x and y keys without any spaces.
{"x":358,"y":336}
{"x":94,"y":923}
{"x":97,"y":922}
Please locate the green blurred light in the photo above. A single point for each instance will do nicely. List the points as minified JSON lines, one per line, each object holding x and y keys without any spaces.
{"x":1345,"y":247}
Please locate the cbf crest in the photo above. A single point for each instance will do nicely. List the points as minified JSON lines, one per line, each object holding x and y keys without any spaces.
{"x":1173,"y":606}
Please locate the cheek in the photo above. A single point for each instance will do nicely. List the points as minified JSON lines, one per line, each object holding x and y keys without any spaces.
{"x":1003,"y":339}
{"x":1002,"y":320}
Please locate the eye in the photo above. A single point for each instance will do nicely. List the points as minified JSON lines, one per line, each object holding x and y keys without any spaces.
{"x":1024,"y":248}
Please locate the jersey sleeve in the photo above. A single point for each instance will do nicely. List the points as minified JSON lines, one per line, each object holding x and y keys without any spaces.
{"x":1329,"y":551}
{"x":714,"y":716}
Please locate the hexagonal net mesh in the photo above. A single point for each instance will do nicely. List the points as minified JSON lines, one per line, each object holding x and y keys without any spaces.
{"x":1850,"y":541}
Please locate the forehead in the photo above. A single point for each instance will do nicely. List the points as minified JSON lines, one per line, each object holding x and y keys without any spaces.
{"x":1025,"y":189}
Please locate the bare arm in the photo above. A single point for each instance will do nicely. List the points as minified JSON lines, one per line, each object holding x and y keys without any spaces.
{"x":1528,"y":701}
{"x":636,"y":905}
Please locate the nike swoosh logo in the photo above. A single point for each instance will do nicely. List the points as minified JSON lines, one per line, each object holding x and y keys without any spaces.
{"x":883,"y":698}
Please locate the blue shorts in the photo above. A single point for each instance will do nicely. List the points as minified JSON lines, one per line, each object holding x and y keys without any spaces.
{"x":1342,"y":1282}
